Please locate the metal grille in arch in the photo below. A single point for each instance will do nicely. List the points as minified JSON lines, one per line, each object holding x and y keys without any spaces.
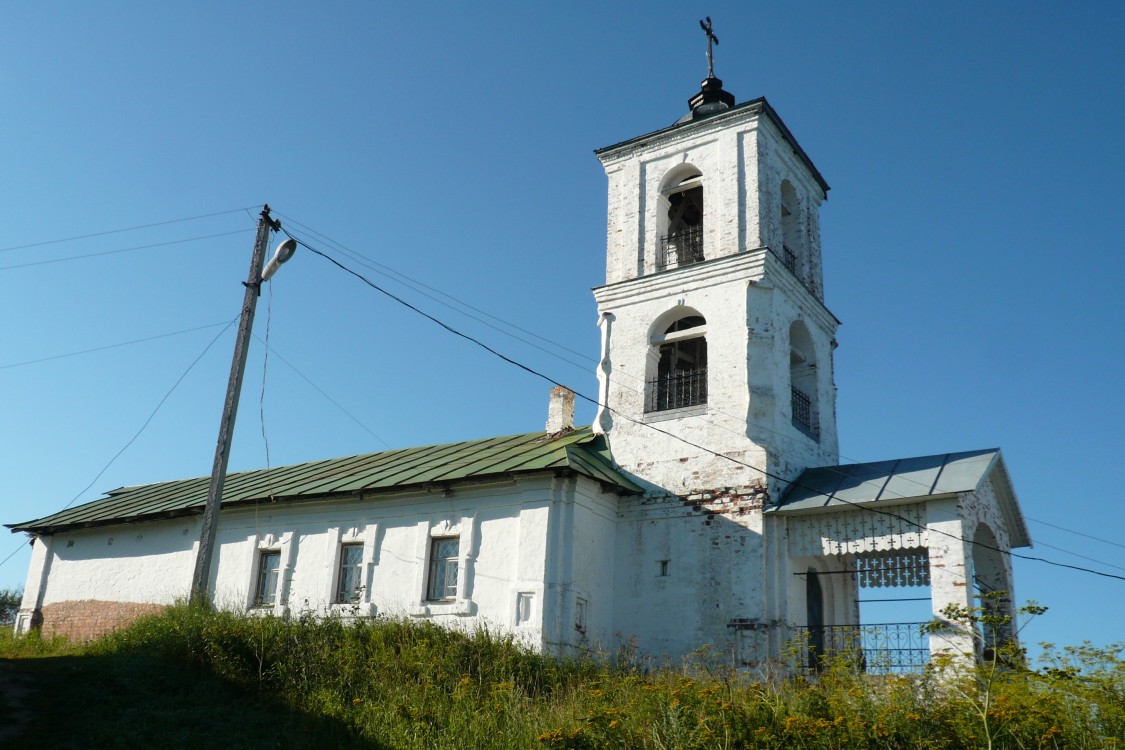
{"x":900,"y":567}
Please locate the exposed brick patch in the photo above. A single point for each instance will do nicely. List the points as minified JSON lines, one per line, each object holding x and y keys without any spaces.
{"x":90,"y":618}
{"x":728,"y":501}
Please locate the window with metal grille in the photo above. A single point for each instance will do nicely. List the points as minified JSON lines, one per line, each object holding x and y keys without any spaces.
{"x":269,"y":564}
{"x":349,"y":586}
{"x":802,"y":413}
{"x":444,"y":552}
{"x":803,"y":381}
{"x":681,"y":372}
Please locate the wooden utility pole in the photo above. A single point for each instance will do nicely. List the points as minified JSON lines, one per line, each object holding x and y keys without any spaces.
{"x":202,"y":575}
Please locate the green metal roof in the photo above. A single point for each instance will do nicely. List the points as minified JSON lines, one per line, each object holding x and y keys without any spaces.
{"x":580,"y":452}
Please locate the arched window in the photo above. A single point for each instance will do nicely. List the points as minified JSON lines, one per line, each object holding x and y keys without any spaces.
{"x":681,"y":367}
{"x":682,"y":205}
{"x":803,"y":381}
{"x":791,"y":246}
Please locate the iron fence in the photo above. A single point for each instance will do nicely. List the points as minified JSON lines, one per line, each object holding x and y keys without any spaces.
{"x":888,"y":648}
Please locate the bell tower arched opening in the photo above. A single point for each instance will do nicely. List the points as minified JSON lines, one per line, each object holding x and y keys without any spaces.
{"x":678,"y":365}
{"x":792,"y":246}
{"x":804,"y":388}
{"x":681,"y":218}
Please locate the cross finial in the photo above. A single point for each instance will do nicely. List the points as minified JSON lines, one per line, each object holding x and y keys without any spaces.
{"x":711,"y":38}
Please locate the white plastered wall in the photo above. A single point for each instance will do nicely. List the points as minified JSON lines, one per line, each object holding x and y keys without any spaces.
{"x":147,"y":563}
{"x":506,"y":543}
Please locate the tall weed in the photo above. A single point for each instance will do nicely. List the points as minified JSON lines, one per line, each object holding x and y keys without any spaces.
{"x":410,"y":684}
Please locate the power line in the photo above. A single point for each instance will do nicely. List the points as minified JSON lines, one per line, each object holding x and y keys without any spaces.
{"x":125,"y":229}
{"x":13,"y":554}
{"x":110,"y":346}
{"x":1084,"y":557}
{"x":147,"y":421}
{"x":133,"y":439}
{"x":583,"y":396}
{"x":361,"y":261}
{"x":122,"y":250}
{"x":613,"y":377}
{"x":389,"y":272}
{"x":1079,"y":533}
{"x":322,"y":392}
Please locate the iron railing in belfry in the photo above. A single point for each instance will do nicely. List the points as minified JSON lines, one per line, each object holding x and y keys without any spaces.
{"x":681,"y":248}
{"x":803,"y":414}
{"x":889,"y":648}
{"x":685,"y":388}
{"x":789,"y":258}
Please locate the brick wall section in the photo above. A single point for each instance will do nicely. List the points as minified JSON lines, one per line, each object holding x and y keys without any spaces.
{"x":86,"y":620}
{"x":729,"y":501}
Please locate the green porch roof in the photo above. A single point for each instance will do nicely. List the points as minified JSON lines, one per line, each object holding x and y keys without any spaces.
{"x":579,"y":452}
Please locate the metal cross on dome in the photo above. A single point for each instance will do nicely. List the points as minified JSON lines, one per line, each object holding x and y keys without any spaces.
{"x":706,"y":26}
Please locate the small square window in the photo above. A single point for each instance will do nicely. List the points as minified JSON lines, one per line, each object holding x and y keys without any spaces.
{"x":269,"y":563}
{"x":525,"y":603}
{"x":662,"y":568}
{"x":349,"y":585}
{"x":444,"y":553}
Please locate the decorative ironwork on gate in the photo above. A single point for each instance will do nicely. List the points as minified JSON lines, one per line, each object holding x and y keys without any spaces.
{"x":889,"y":648}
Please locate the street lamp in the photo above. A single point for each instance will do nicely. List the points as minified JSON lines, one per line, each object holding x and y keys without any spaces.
{"x":202,"y":573}
{"x":283,"y":253}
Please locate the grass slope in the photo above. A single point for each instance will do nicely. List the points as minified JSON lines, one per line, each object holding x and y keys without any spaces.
{"x":189,"y":678}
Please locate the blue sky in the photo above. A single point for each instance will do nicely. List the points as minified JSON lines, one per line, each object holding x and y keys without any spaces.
{"x":972,"y":241}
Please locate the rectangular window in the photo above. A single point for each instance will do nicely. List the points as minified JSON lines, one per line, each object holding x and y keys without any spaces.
{"x":269,"y":563}
{"x":349,"y":587}
{"x":443,"y":568}
{"x":525,"y":602}
{"x":662,"y":568}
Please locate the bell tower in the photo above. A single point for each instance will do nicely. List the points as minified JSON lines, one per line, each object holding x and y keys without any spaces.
{"x":713,"y":324}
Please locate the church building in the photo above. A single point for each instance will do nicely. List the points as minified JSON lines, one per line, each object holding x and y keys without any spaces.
{"x":705,"y":507}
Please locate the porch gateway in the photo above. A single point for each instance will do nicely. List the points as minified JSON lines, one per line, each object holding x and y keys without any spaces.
{"x":705,"y":506}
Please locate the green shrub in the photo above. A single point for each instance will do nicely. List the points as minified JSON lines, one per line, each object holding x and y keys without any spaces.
{"x":9,"y":605}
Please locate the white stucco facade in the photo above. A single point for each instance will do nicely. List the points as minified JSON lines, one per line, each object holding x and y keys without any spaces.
{"x":516,"y":560}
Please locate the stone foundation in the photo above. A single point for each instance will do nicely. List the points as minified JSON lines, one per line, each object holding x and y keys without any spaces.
{"x":88,"y":619}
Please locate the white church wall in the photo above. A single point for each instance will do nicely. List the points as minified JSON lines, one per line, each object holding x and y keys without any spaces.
{"x":503,"y":541}
{"x":688,"y":572}
{"x":592,"y":597}
{"x":490,"y":523}
{"x":148,"y":563}
{"x":86,"y":582}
